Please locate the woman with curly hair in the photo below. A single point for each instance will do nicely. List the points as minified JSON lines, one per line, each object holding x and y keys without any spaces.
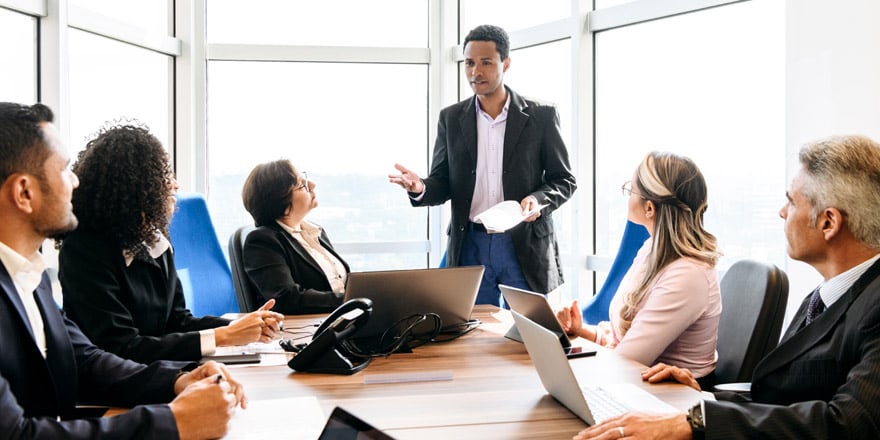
{"x":117,"y":268}
{"x":668,"y":305}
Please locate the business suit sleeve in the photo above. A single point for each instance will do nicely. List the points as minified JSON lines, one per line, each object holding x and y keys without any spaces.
{"x":98,"y":297}
{"x":559,"y":182}
{"x":105,"y":379}
{"x":851,"y":412}
{"x":437,"y":184}
{"x":278,"y":271}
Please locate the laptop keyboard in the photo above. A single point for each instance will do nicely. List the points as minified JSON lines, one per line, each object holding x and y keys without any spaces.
{"x":602,"y":404}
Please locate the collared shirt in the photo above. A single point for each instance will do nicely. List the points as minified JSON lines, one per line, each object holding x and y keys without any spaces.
{"x":207,"y":341}
{"x":26,"y":276}
{"x":332,"y":267}
{"x":488,"y":190}
{"x":833,"y":289}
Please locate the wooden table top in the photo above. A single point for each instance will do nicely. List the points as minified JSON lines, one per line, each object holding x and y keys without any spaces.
{"x":494,"y":392}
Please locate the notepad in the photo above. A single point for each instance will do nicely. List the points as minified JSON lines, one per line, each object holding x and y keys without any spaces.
{"x":415,"y":376}
{"x":504,"y":216}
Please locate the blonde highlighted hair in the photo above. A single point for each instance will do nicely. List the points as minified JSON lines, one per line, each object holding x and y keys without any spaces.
{"x":678,"y":191}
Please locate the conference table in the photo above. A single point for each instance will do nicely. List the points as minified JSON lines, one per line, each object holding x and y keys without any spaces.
{"x":488,"y":388}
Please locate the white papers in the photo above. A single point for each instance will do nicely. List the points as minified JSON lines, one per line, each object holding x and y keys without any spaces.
{"x":291,"y":418}
{"x":504,"y":216}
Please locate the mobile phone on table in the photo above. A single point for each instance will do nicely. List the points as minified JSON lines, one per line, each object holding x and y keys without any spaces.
{"x":579,"y":352}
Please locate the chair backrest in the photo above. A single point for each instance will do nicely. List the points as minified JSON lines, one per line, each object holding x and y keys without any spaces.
{"x":201,"y":265}
{"x":634,"y":235}
{"x":753,"y":300}
{"x":245,"y":292}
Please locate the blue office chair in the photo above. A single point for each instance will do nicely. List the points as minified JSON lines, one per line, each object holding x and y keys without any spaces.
{"x":634,"y":236}
{"x":201,"y":265}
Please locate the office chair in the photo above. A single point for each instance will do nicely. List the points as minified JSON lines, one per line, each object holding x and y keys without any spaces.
{"x":201,"y":265}
{"x":754,"y":296}
{"x":634,"y":236}
{"x":247,"y":295}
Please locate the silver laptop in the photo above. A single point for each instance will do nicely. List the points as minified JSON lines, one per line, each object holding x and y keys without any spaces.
{"x":398,"y":294}
{"x":592,"y":404}
{"x":535,"y":307}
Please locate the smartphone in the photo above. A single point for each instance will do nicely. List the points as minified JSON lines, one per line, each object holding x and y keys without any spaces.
{"x":579,"y":352}
{"x":232,"y":359}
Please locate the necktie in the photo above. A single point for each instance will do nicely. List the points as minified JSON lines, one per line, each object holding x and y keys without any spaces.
{"x":815,"y":307}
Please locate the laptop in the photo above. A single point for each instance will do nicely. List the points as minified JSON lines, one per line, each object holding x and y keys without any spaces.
{"x":343,"y":425}
{"x":398,"y":294}
{"x":592,"y":404}
{"x":535,"y":307}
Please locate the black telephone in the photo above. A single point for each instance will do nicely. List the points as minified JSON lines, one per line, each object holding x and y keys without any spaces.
{"x":326,"y":353}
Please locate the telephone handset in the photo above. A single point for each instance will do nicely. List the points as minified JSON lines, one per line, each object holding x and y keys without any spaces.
{"x":325,"y":354}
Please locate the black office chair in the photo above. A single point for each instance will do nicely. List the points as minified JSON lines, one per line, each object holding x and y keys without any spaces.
{"x":247,"y":296}
{"x":754,"y":296}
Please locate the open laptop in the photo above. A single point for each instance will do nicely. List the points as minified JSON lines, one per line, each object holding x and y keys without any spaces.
{"x":398,"y":294}
{"x":343,"y":425}
{"x":592,"y":404}
{"x":535,"y":307}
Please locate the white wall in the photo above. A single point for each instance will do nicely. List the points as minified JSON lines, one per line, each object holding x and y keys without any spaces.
{"x":833,"y":87}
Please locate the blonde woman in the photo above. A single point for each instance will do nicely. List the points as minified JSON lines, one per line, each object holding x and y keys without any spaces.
{"x":668,"y":305}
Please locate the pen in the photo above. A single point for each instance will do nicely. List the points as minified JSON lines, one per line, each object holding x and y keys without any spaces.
{"x":219,"y":378}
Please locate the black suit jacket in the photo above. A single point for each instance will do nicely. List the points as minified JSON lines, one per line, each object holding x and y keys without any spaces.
{"x":820,"y":382}
{"x":136,"y":311}
{"x":279,"y":267}
{"x":35,"y":391}
{"x":535,"y":163}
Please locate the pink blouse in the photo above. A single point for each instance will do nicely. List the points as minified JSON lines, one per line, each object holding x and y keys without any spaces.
{"x":677,"y":323}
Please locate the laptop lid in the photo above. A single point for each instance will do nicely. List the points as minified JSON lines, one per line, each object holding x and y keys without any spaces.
{"x":397,"y":294}
{"x":559,"y":380}
{"x":343,"y":425}
{"x":535,"y":307}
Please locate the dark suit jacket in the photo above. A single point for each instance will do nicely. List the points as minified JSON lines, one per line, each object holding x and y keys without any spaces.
{"x":279,"y":267}
{"x":136,"y":311}
{"x":34,"y":391}
{"x":535,"y":163}
{"x":820,"y":382}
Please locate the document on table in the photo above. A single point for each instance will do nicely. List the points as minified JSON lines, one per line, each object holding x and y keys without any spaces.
{"x":295,"y":418}
{"x":504,"y":216}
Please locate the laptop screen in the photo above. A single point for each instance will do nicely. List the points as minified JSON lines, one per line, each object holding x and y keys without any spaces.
{"x":398,"y":294}
{"x":343,"y":425}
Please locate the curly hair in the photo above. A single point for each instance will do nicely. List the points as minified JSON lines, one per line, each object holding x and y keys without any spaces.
{"x":125,"y":183}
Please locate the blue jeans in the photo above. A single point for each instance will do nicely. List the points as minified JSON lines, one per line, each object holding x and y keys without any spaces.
{"x":495,"y":252}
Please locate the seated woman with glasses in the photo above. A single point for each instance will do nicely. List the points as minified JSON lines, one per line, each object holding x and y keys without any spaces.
{"x":668,"y":305}
{"x":288,"y":258}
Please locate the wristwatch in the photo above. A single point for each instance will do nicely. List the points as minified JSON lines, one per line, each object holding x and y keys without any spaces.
{"x":695,"y":419}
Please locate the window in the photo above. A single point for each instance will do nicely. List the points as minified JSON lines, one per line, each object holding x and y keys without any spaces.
{"x":697,"y":85}
{"x":145,"y":14}
{"x":319,"y":23}
{"x":346,"y":124}
{"x":111,"y":81}
{"x":18,"y":77}
{"x":511,"y":15}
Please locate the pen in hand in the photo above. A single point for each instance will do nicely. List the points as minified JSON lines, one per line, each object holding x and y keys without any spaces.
{"x":219,"y":378}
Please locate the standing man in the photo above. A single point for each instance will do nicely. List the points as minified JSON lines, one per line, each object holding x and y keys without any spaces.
{"x":821,"y":380}
{"x":493,"y":147}
{"x":47,"y":365}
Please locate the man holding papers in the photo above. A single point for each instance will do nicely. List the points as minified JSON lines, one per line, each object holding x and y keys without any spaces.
{"x":494,"y":147}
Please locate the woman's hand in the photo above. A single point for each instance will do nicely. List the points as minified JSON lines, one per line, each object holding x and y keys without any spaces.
{"x":570,"y":318}
{"x":662,"y":372}
{"x":261,"y":325}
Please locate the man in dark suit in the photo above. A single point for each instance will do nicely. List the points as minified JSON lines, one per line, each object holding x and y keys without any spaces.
{"x":48,"y":366}
{"x":493,"y":147}
{"x":821,"y":380}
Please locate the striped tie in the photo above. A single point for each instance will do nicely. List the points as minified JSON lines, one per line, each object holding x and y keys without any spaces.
{"x":816,"y":306}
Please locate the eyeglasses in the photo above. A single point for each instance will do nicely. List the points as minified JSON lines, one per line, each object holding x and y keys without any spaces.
{"x":304,"y":176}
{"x":627,"y":189}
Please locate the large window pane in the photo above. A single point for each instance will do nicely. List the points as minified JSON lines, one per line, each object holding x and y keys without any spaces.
{"x":346,"y":124}
{"x":511,"y":14}
{"x":111,"y":81}
{"x":145,"y":14}
{"x":700,"y":86}
{"x":18,"y":40}
{"x":384,"y":23}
